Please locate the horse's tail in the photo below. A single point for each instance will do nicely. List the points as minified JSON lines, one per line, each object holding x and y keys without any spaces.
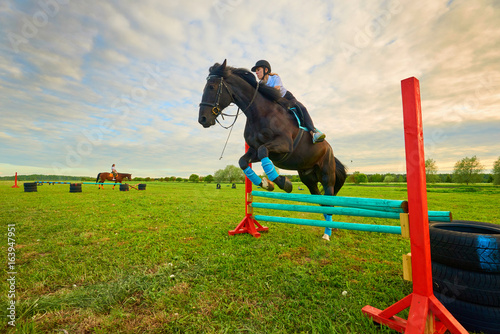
{"x":97,"y":180}
{"x":340,"y":175}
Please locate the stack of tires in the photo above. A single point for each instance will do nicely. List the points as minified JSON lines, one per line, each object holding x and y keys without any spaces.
{"x":466,"y":272}
{"x":142,"y":186}
{"x":75,"y":188}
{"x":124,"y":187}
{"x":30,"y":187}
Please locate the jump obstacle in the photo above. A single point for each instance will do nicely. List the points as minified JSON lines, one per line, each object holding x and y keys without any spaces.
{"x":123,"y":186}
{"x":350,"y":206}
{"x":426,"y":313}
{"x":67,"y":182}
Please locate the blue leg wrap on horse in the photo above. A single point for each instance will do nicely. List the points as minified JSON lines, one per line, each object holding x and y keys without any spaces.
{"x":328,"y":218}
{"x":268,"y":167}
{"x":252,"y":176}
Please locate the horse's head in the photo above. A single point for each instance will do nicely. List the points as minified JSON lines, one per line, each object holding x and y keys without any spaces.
{"x":216,"y":96}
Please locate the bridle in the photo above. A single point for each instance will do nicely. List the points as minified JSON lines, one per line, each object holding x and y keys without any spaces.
{"x":216,"y":110}
{"x":215,"y":106}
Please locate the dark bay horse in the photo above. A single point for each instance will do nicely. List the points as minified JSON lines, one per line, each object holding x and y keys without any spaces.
{"x":109,"y":176}
{"x":272,"y":133}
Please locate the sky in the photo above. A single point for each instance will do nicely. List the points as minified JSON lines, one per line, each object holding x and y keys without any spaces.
{"x":85,"y":84}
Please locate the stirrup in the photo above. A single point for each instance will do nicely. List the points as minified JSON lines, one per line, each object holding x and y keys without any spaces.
{"x":318,"y":136}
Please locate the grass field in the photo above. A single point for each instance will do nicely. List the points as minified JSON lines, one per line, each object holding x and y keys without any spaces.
{"x":161,"y":261}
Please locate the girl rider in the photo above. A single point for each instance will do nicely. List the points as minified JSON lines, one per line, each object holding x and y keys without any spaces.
{"x":114,"y":172}
{"x":263,"y":70}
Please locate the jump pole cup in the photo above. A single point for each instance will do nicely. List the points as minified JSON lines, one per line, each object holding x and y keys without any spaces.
{"x":248,"y":224}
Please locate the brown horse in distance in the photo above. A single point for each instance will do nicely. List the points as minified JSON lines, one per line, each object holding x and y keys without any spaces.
{"x":109,"y":176}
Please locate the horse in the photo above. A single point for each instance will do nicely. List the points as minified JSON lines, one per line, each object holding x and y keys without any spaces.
{"x":272,"y":133}
{"x":103,"y":176}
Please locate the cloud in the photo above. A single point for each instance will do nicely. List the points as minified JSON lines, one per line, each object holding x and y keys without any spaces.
{"x":87,"y":84}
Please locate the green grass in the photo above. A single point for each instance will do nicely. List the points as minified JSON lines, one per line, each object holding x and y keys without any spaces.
{"x":161,"y":261}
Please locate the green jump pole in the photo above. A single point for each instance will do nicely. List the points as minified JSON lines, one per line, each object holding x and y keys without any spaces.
{"x":353,"y":202}
{"x":339,"y":225}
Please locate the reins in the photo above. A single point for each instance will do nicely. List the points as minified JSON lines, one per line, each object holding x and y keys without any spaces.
{"x":217,"y":111}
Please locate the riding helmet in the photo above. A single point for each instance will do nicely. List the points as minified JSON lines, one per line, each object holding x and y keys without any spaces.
{"x":262,"y":63}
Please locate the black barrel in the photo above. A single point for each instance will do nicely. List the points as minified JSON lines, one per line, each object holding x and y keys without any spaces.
{"x":141,"y":186}
{"x":124,"y":187}
{"x":30,"y":187}
{"x":75,"y":188}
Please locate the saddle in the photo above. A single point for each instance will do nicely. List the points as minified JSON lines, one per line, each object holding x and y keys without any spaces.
{"x":295,"y":110}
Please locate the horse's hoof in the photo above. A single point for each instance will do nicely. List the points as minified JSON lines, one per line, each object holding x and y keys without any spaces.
{"x":266,"y":184}
{"x":326,"y":237}
{"x":284,"y":183}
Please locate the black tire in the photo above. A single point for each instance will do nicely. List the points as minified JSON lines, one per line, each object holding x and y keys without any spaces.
{"x":467,"y":222}
{"x":473,"y":317}
{"x":124,"y":187}
{"x":75,"y":188}
{"x":30,"y":187}
{"x":141,"y":186}
{"x":468,"y":286}
{"x":466,"y":245}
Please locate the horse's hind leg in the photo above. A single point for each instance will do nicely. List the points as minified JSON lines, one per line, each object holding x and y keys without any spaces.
{"x":310,"y":179}
{"x":244,"y":163}
{"x":330,"y":183}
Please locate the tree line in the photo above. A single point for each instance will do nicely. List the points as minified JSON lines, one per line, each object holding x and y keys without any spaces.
{"x":466,"y":171}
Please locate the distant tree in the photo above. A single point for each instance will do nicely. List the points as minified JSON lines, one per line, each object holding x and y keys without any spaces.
{"x":496,"y":172}
{"x":468,"y":170}
{"x":389,"y":178}
{"x":194,"y":178}
{"x":229,"y":174}
{"x":234,"y":174}
{"x":219,"y":176}
{"x":431,"y":171}
{"x":178,"y":179}
{"x":208,"y":179}
{"x":357,"y":178}
{"x":376,"y":178}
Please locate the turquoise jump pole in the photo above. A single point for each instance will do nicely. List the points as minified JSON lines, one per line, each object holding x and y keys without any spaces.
{"x":327,"y":210}
{"x":67,"y":182}
{"x":442,"y":216}
{"x":339,"y":225}
{"x":353,"y":202}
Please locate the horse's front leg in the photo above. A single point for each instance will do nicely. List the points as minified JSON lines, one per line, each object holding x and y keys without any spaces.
{"x":244,"y":163}
{"x":267,"y":165}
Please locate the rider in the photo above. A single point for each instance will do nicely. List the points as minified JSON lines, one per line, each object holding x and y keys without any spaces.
{"x":263,"y":70}
{"x":114,"y":172}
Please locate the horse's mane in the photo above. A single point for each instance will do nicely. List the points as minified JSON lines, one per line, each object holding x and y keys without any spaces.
{"x":268,"y":92}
